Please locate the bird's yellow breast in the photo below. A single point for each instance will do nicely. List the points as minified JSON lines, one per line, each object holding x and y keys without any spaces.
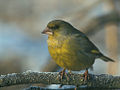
{"x":65,"y":56}
{"x":58,"y":51}
{"x":57,"y":47}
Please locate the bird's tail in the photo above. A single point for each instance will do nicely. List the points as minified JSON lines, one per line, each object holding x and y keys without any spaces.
{"x":106,"y":59}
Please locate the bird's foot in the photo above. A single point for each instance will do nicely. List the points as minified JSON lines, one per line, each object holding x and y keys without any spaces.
{"x":86,"y":75}
{"x":63,"y":75}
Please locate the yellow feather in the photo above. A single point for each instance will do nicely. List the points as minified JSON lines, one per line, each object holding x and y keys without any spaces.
{"x":95,"y":51}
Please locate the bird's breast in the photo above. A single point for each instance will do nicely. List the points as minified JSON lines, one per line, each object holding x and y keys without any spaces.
{"x":66,"y":56}
{"x":54,"y":47}
{"x":58,"y":50}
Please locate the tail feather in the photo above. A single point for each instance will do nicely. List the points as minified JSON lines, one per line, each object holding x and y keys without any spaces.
{"x":106,"y":59}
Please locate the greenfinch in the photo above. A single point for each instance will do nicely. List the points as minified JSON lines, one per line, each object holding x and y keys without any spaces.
{"x":70,"y":48}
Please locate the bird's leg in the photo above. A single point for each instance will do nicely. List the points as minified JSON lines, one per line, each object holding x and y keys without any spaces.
{"x":86,"y":75}
{"x":62,"y":74}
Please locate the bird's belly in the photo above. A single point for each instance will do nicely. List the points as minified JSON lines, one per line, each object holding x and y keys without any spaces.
{"x":70,"y":61}
{"x":76,"y":63}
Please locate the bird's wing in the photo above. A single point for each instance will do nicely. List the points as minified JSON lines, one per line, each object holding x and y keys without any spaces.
{"x":84,"y":45}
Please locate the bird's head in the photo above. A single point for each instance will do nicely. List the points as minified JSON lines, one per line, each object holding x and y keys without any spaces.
{"x":58,"y":27}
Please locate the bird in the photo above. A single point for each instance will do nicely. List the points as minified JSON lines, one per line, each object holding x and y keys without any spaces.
{"x":70,"y":48}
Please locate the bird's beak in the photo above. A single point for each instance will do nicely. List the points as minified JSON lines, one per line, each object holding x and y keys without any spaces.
{"x":47,"y":31}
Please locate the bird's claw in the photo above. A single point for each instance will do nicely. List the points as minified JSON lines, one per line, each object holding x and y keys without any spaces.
{"x":86,"y":75}
{"x":63,"y":75}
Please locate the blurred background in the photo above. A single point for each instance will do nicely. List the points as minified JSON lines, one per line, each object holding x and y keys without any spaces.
{"x":23,"y":47}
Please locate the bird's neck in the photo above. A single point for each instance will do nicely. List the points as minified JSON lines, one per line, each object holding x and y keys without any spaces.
{"x":56,"y":40}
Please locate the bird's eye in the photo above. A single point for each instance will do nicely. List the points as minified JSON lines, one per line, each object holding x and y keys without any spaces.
{"x":54,"y":27}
